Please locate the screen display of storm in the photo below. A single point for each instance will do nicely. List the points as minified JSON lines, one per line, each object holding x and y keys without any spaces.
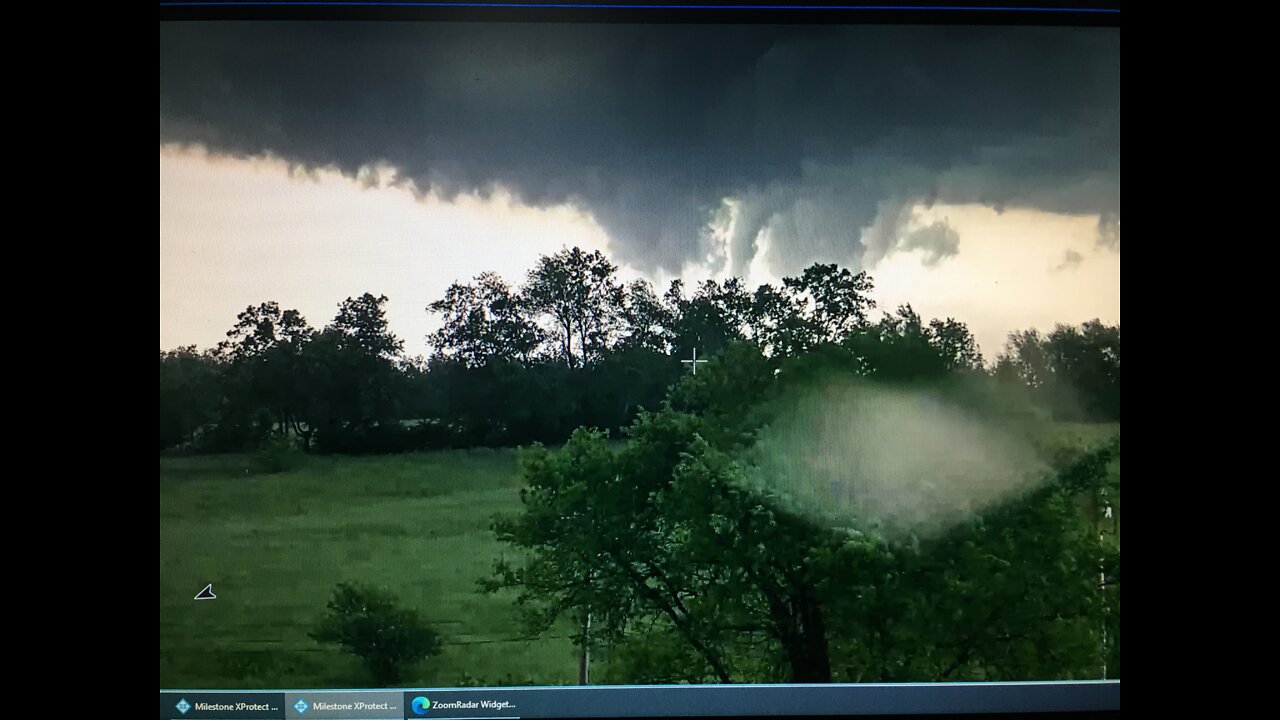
{"x":554,"y":354}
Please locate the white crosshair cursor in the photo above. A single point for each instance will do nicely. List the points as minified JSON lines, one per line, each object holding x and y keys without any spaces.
{"x":694,"y":362}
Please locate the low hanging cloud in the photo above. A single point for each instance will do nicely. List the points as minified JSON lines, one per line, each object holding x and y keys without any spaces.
{"x":1109,"y":230}
{"x":897,"y":229}
{"x":1070,"y":261}
{"x":826,"y":138}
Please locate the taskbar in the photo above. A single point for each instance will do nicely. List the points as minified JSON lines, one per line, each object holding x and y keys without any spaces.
{"x":518,"y":703}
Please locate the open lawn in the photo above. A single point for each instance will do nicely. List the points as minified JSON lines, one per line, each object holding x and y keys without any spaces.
{"x":274,"y":546}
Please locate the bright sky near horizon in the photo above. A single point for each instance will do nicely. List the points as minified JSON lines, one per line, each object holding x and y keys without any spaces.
{"x":240,"y":231}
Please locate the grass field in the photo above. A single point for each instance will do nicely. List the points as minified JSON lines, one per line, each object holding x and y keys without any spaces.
{"x":274,"y":546}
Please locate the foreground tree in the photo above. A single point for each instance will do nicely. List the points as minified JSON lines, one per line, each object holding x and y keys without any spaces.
{"x":1013,"y":593}
{"x":678,"y":532}
{"x":661,"y":534}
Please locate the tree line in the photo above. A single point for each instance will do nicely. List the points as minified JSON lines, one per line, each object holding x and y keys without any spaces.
{"x":574,"y":346}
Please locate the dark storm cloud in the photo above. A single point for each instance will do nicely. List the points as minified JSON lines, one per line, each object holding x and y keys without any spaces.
{"x":1109,"y":229}
{"x":818,"y":133}
{"x":895,"y":228}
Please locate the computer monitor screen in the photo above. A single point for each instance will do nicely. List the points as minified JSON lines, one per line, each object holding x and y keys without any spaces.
{"x":520,"y":365}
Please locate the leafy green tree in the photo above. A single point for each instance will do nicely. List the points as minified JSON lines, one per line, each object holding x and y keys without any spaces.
{"x":361,"y":325}
{"x":580,"y":294}
{"x":1024,"y":355}
{"x":673,"y":532}
{"x":415,"y":401}
{"x":1087,"y":360}
{"x":1016,"y":592}
{"x":584,"y":559}
{"x":364,"y":355}
{"x":956,"y":344}
{"x":777,"y":321}
{"x":1074,"y":371}
{"x":775,"y":563}
{"x":897,"y":349}
{"x":484,"y":320}
{"x":621,"y":384}
{"x":320,"y":371}
{"x":190,"y":394}
{"x":354,"y":371}
{"x":664,"y":533}
{"x":731,"y":394}
{"x":714,"y":317}
{"x":262,"y":356}
{"x":624,"y":535}
{"x":905,"y":322}
{"x":647,"y":320}
{"x":370,"y":624}
{"x":836,"y":300}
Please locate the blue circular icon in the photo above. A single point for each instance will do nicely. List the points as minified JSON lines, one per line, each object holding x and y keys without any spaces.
{"x":421,"y":705}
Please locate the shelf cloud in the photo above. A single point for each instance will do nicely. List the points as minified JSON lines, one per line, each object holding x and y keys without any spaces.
{"x":828,"y":139}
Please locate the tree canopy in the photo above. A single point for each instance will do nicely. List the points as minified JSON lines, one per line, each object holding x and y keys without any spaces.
{"x":574,"y":346}
{"x":692,"y":570}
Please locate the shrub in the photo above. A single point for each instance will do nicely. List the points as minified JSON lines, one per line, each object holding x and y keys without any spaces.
{"x":277,"y":454}
{"x":370,"y":624}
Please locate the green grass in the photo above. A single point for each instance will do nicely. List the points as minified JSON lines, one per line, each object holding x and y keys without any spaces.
{"x":274,"y":546}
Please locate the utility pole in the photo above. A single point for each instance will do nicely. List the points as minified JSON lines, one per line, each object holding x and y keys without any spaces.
{"x":1102,"y":579}
{"x":584,"y":659}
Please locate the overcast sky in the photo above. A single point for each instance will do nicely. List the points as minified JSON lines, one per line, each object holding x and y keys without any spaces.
{"x":974,"y":172}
